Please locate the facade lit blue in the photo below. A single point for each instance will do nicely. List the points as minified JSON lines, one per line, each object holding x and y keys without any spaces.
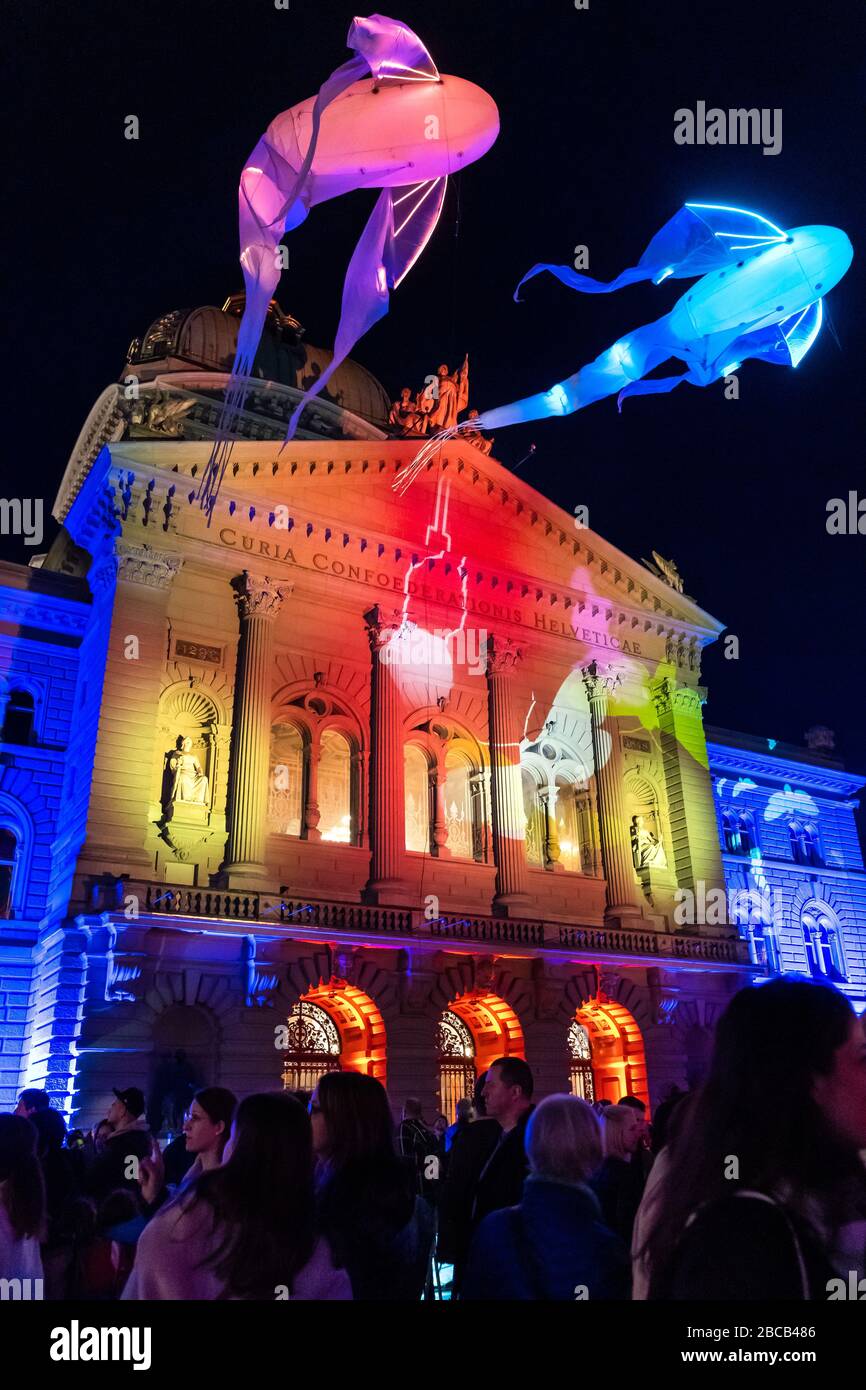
{"x":792,"y":857}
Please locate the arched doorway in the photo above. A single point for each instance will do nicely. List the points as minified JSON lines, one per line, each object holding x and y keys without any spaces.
{"x":455,"y":1048}
{"x":333,"y":1027}
{"x":184,"y":1058}
{"x":606,"y":1053}
{"x":580,"y":1078}
{"x":313,"y":1046}
{"x":474,"y":1030}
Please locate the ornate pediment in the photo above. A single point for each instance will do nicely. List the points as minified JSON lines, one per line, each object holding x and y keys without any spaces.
{"x":466,"y":536}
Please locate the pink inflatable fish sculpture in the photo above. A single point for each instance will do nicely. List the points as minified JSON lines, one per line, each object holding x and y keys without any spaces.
{"x":386,"y":119}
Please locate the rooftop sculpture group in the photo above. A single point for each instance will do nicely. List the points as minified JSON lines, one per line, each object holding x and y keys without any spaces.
{"x":437,"y":406}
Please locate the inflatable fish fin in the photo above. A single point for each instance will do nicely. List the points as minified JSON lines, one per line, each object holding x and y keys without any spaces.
{"x":657,"y":387}
{"x":783,"y":344}
{"x":392,"y":51}
{"x":801,"y":330}
{"x":417,"y":210}
{"x":699,"y":238}
{"x":583,"y":283}
{"x":399,"y":228}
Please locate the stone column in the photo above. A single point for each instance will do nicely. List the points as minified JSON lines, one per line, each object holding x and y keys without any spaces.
{"x":694,"y":831}
{"x":440,"y":827}
{"x":312,"y":814}
{"x":624,"y":897}
{"x":478,"y":784}
{"x":552,"y":850}
{"x":387,"y":801}
{"x":259,"y":600}
{"x":509,"y":830}
{"x":126,"y":746}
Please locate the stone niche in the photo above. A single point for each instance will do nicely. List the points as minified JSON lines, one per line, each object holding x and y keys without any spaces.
{"x":189,"y":781}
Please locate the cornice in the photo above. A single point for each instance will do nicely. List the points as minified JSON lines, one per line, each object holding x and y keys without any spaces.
{"x":38,"y":610}
{"x":724,"y":758}
{"x":152,"y":497}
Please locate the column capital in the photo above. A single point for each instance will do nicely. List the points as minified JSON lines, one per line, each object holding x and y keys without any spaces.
{"x":599,"y":686}
{"x":384,"y":624}
{"x":257,"y":596}
{"x":662,"y":692}
{"x":140,"y":564}
{"x":683,"y":699}
{"x":501,"y":655}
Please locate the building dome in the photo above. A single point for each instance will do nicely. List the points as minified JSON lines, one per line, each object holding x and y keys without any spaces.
{"x":206,"y":338}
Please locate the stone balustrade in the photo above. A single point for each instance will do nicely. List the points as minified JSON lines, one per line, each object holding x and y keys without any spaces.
{"x":110,"y":895}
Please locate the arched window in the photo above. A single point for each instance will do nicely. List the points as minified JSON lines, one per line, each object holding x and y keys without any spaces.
{"x":764,"y":946}
{"x":313,"y":1047}
{"x":580,"y":1067}
{"x":738,"y":828}
{"x":456,"y":1048}
{"x":335,"y":788}
{"x":821,"y":938}
{"x":567,"y":825}
{"x":416,"y":792}
{"x":746,"y":830}
{"x":533,"y":811}
{"x":731,"y":832}
{"x":805,"y":848}
{"x":8,"y":860}
{"x":286,"y":782}
{"x":812,"y":846}
{"x":19,"y":716}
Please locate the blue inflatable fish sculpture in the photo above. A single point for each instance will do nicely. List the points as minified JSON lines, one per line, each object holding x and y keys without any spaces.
{"x":759,"y":296}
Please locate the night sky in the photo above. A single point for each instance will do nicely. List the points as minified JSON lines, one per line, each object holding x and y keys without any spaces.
{"x":105,"y":234}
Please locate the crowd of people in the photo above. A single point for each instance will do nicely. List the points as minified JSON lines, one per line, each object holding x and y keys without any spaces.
{"x":751,"y":1187}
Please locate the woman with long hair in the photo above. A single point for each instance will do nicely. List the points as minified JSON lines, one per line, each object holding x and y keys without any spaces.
{"x":22,"y":1200}
{"x":379,"y":1229}
{"x":764,"y":1192}
{"x":244,"y":1230}
{"x":206,"y":1129}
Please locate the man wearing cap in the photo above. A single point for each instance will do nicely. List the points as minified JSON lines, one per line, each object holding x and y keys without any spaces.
{"x":117,"y":1164}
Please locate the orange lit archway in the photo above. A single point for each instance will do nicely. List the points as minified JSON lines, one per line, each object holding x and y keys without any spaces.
{"x":618,"y":1057}
{"x":494,"y":1026}
{"x":359,"y":1024}
{"x":474,"y":1030}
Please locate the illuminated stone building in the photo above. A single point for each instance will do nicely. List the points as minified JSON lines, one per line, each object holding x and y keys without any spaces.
{"x":397,"y":781}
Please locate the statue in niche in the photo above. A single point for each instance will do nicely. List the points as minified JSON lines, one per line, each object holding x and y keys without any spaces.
{"x":647,"y":851}
{"x":189,"y":785}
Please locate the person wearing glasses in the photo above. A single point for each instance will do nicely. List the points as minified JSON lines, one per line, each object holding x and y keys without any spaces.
{"x":206,"y":1129}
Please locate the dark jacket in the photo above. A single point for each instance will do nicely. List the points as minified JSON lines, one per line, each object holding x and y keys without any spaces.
{"x":418,"y":1145}
{"x":500,"y":1181}
{"x":553,"y":1246}
{"x":746,"y":1248}
{"x":619,"y":1188}
{"x":108,"y":1170}
{"x":378,"y":1229}
{"x":468,"y":1154}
